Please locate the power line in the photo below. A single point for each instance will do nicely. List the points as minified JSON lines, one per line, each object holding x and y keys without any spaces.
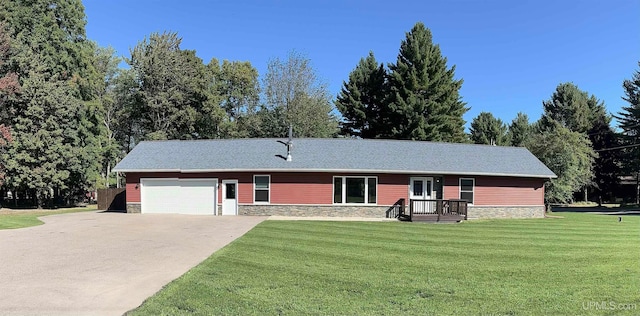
{"x":619,"y":147}
{"x":623,"y":130}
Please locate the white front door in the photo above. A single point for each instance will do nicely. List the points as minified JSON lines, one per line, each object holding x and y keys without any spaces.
{"x":421,"y":188}
{"x":229,"y":197}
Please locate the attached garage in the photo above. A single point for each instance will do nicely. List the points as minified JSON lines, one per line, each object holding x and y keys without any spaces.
{"x":180,"y":196}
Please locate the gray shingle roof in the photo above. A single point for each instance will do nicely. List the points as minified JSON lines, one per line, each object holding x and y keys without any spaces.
{"x":333,"y":155}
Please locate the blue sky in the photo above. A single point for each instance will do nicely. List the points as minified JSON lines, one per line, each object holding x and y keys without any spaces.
{"x":511,"y":54}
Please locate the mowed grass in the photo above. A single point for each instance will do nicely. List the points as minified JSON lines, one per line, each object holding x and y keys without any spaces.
{"x":554,"y":266}
{"x":25,"y":218}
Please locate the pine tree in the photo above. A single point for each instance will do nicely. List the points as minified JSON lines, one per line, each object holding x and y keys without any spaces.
{"x":629,"y":119}
{"x":9,"y":86}
{"x":606,"y":169}
{"x":361,"y":99}
{"x":55,"y":30}
{"x":424,"y":101}
{"x":44,"y":152}
{"x":520,"y":130}
{"x":572,"y":108}
{"x":52,"y":59}
{"x":489,"y":130}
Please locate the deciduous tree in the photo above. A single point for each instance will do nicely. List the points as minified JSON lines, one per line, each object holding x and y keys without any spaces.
{"x":172,"y":84}
{"x":295,"y":97}
{"x":569,"y":155}
{"x":102,"y":115}
{"x":236,"y":89}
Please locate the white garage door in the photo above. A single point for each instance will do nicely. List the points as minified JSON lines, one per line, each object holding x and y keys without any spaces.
{"x":179,"y":196}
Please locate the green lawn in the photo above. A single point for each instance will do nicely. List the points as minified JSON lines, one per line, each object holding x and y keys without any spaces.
{"x":558,"y":266}
{"x":26,"y":218}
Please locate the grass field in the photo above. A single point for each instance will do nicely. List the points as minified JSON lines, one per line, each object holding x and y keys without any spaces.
{"x":579,"y":264}
{"x":26,"y":218}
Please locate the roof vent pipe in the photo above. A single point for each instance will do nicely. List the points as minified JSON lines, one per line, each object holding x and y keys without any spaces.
{"x":289,"y":143}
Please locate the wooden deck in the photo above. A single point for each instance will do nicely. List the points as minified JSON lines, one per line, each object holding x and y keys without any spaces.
{"x":434,"y":211}
{"x":433,"y":218}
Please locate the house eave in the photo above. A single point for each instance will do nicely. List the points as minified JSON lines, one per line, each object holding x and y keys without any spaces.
{"x":358,"y":171}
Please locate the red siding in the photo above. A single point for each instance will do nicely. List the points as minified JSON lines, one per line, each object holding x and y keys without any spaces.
{"x":499,"y":190}
{"x":392,"y":187}
{"x":317,"y":188}
{"x":450,"y":189}
{"x":133,"y":193}
{"x":301,"y":188}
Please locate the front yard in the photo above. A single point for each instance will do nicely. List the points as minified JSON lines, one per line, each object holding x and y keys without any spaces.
{"x":24,"y":218}
{"x":579,"y":264}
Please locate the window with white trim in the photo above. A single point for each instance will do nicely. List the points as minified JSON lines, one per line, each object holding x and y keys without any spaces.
{"x":467,"y":186}
{"x":355,"y":190}
{"x":261,"y":187}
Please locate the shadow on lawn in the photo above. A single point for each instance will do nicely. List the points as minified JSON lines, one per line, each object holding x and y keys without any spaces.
{"x":597,"y":210}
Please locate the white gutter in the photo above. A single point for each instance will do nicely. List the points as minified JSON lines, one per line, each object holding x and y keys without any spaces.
{"x":358,"y":171}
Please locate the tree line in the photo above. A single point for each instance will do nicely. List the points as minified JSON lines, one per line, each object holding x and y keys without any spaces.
{"x":69,"y":112}
{"x":418,"y":98}
{"x":575,"y":138}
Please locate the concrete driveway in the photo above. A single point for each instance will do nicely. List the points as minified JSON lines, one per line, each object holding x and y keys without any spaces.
{"x":95,"y":263}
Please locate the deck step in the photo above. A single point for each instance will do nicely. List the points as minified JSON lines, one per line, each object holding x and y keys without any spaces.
{"x":433,"y":218}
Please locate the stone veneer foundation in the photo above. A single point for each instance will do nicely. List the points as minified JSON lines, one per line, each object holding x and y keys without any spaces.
{"x":485,"y":212}
{"x":134,"y":208}
{"x":474,"y":212}
{"x":314,"y":210}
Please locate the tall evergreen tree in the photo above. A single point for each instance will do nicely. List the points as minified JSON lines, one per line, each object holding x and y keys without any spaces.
{"x":579,"y":112}
{"x":629,"y":119}
{"x":572,"y":108}
{"x":424,"y":101}
{"x":519,"y":130}
{"x":606,"y":169}
{"x":9,"y":86}
{"x":55,"y":31}
{"x":361,"y":99}
{"x":52,"y":61}
{"x":489,"y":130}
{"x":45,"y":151}
{"x":5,"y":139}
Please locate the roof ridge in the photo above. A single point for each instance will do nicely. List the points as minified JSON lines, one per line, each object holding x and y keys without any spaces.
{"x":327,"y":139}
